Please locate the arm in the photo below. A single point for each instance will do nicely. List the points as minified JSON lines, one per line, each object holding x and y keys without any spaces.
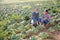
{"x":48,"y":17}
{"x":33,"y":15}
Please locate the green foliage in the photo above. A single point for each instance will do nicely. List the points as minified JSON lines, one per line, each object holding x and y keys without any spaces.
{"x":55,"y":10}
{"x":14,"y":18}
{"x":19,"y":20}
{"x":3,"y":33}
{"x":34,"y":30}
{"x":24,"y":23}
{"x":27,"y":7}
{"x":51,"y":29}
{"x":1,"y":38}
{"x":44,"y":35}
{"x":3,"y":22}
{"x":16,"y":26}
{"x":39,"y":27}
{"x":28,"y":26}
{"x":14,"y":37}
{"x":9,"y":31}
{"x":26,"y":18}
{"x":23,"y":34}
{"x":57,"y":27}
{"x":33,"y":38}
{"x":5,"y":27}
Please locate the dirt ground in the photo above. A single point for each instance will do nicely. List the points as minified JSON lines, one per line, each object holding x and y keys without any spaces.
{"x":54,"y":35}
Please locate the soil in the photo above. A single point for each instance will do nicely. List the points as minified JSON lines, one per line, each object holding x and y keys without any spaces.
{"x":54,"y":35}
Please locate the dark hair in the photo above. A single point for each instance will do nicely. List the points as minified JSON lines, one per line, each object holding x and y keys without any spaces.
{"x":37,"y":9}
{"x":46,"y":10}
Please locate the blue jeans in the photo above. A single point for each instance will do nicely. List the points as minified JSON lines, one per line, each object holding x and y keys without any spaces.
{"x":43,"y":21}
{"x":33,"y":21}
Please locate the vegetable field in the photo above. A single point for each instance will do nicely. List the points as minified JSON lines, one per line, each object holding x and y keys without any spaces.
{"x":15,"y":20}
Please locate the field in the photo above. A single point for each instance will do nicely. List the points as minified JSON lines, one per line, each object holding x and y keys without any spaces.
{"x":15,"y":20}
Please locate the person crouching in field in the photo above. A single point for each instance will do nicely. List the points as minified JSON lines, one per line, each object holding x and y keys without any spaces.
{"x":46,"y":18}
{"x":35,"y":17}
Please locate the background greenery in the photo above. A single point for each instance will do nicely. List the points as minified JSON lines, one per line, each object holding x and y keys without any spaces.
{"x":15,"y":18}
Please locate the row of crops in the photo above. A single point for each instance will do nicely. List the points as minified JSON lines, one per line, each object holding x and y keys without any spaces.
{"x":15,"y":23}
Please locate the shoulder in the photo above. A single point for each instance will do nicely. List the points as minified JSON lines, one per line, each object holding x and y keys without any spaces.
{"x":33,"y":12}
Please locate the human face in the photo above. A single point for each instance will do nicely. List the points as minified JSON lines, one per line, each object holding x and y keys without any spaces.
{"x":45,"y":12}
{"x":36,"y":10}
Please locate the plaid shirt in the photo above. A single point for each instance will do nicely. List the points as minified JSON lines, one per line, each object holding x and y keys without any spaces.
{"x":47,"y":16}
